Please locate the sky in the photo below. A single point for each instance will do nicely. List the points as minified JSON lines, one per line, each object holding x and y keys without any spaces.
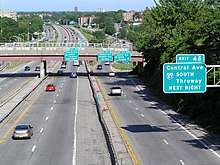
{"x":67,"y":5}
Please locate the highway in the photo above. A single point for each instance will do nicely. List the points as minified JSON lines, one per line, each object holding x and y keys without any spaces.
{"x":156,"y":138}
{"x":66,"y":129}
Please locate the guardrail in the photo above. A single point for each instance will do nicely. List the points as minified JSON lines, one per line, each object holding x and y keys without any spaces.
{"x":66,"y":44}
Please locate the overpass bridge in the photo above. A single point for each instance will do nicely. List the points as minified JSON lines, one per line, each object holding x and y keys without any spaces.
{"x":55,"y":51}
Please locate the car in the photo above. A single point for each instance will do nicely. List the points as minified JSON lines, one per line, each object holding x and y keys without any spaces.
{"x":63,"y":66}
{"x":75,"y":63}
{"x":107,"y":63}
{"x":73,"y":75}
{"x":23,"y":131}
{"x":115,"y":90}
{"x":99,"y":67}
{"x":37,"y":68}
{"x":111,"y":74}
{"x":27,"y":68}
{"x":50,"y":87}
{"x":59,"y":72}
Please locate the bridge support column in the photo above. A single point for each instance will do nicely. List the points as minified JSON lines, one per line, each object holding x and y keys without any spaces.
{"x":140,"y":67}
{"x":43,"y":66}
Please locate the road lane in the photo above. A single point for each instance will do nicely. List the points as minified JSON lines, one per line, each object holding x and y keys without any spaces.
{"x":155,"y":138}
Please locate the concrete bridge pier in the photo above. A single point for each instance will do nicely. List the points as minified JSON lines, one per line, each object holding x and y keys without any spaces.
{"x":43,"y":66}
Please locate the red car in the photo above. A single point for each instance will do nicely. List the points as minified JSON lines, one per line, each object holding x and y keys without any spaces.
{"x":50,"y":87}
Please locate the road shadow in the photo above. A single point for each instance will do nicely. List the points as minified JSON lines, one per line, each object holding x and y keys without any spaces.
{"x":143,"y":128}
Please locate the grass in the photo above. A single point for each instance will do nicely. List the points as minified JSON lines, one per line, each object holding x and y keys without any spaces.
{"x":92,"y":63}
{"x":122,"y":66}
{"x":14,"y":64}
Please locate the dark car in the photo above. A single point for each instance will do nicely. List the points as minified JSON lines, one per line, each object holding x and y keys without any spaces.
{"x":59,"y":72}
{"x":23,"y":131}
{"x":27,"y":68}
{"x":37,"y":68}
{"x":73,"y":75}
{"x":99,"y":67}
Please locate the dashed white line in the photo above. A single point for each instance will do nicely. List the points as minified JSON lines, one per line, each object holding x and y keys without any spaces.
{"x":10,"y":82}
{"x":181,"y":161}
{"x":136,"y":109}
{"x":125,"y":95}
{"x":47,"y":118}
{"x":57,"y":95}
{"x":54,"y":101}
{"x":6,"y":85}
{"x":142,"y":115}
{"x":165,"y":141}
{"x":33,"y":148}
{"x":51,"y":108}
{"x":130,"y":101}
{"x":61,"y":86}
{"x":59,"y":90}
{"x":15,"y":79}
{"x":41,"y":130}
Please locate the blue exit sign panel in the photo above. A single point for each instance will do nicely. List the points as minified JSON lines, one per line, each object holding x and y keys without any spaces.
{"x":195,"y":58}
{"x":106,"y":56}
{"x":184,"y":78}
{"x":71,"y":54}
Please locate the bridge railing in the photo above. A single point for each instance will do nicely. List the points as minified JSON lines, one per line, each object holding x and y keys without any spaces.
{"x":64,"y":45}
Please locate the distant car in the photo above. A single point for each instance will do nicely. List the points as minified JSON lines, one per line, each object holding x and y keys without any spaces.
{"x":50,"y":87}
{"x":111,"y":74}
{"x":27,"y":68}
{"x":99,"y":67}
{"x":107,"y":63}
{"x":115,"y":90}
{"x":59,"y":72}
{"x":37,"y":68}
{"x":63,"y":66}
{"x":76,"y":63}
{"x":73,"y":75}
{"x":23,"y":131}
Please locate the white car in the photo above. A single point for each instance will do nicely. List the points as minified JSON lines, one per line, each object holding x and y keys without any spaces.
{"x":63,"y":66}
{"x":107,"y":63}
{"x":111,"y":74}
{"x":115,"y":90}
{"x":76,"y":63}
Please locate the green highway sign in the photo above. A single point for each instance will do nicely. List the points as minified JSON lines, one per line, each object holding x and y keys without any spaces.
{"x":106,"y":56}
{"x":182,"y":58}
{"x":123,"y":56}
{"x":184,"y":78}
{"x":71,"y":54}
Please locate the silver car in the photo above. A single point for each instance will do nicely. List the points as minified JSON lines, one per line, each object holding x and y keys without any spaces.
{"x":23,"y":131}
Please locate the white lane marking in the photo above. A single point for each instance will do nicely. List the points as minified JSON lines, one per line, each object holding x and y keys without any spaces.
{"x":181,"y":161}
{"x":129,"y":101}
{"x":0,"y":88}
{"x":33,"y":148}
{"x":47,"y":118}
{"x":165,"y":141}
{"x":41,"y":130}
{"x":215,"y":153}
{"x":136,"y":109}
{"x":75,"y":120}
{"x":142,"y":115}
{"x":59,"y":90}
{"x":54,"y":101}
{"x":57,"y":95}
{"x":10,"y":82}
{"x":51,"y":108}
{"x":15,"y":79}
{"x":6,"y":85}
{"x":61,"y":86}
{"x":125,"y":95}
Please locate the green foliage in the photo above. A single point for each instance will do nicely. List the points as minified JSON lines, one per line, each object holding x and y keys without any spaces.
{"x":183,"y":26}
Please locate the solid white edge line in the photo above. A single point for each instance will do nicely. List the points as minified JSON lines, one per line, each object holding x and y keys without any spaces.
{"x":41,"y":130}
{"x":33,"y":148}
{"x":165,"y":141}
{"x":75,"y":120}
{"x":47,"y":118}
{"x":187,"y":130}
{"x":181,"y":161}
{"x":54,"y":101}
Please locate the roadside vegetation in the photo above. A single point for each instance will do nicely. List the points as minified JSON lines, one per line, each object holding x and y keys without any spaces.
{"x":122,"y":66}
{"x":182,"y":27}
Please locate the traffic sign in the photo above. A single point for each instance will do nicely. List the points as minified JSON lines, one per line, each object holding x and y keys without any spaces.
{"x":182,"y":58}
{"x":71,"y":54}
{"x":184,"y":78}
{"x":123,"y":56}
{"x":106,"y":56}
